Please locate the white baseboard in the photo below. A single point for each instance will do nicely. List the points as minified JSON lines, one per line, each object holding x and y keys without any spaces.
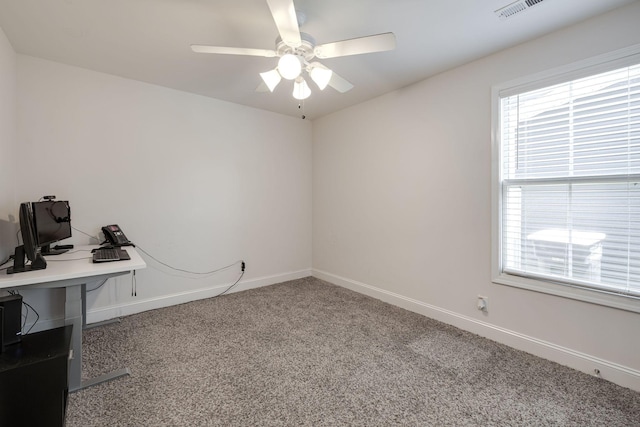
{"x":138,"y":306}
{"x":610,"y":371}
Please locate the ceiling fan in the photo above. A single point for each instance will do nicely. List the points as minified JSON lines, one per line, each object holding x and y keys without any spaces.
{"x":297,"y":50}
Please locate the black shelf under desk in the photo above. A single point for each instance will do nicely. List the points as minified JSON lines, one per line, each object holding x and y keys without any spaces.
{"x":34,"y":379}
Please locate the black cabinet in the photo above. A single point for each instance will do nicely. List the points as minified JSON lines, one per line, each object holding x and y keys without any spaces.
{"x":33,"y":379}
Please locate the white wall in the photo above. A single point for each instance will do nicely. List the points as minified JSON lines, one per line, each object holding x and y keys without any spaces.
{"x":196,"y":182}
{"x":7,"y":143}
{"x":401,"y":192}
{"x":402,"y":206}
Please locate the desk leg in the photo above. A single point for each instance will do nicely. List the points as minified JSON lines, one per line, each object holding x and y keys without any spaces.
{"x":86,"y":326}
{"x":103,"y":323}
{"x":74,"y":313}
{"x":73,"y":316}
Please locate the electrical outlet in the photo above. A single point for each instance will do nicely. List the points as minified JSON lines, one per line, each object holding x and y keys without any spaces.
{"x":483,"y":303}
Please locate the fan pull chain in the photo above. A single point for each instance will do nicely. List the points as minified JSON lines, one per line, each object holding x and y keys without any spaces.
{"x":301,"y":108}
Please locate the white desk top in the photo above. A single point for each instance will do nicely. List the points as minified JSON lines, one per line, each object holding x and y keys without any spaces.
{"x":75,"y":265}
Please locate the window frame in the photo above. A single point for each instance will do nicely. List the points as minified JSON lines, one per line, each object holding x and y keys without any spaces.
{"x":599,"y":64}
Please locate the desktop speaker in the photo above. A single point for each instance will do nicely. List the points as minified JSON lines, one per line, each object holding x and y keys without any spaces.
{"x":11,"y":319}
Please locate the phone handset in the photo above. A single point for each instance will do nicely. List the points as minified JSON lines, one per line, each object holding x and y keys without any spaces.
{"x":115,"y":236}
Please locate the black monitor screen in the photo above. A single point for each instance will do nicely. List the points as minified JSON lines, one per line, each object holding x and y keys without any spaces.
{"x":29,"y":247}
{"x":52,"y":222}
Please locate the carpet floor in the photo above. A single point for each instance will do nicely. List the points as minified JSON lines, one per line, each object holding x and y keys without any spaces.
{"x":308,"y":353}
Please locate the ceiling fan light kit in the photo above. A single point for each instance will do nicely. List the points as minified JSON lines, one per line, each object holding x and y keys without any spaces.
{"x":321,"y":76}
{"x":295,"y":50}
{"x":289,"y":66}
{"x":301,"y":89}
{"x":271,"y":79}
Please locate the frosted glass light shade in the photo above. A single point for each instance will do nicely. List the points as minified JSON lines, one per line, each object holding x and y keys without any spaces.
{"x":321,"y":76}
{"x":271,"y":79}
{"x":301,"y":89}
{"x":289,"y":66}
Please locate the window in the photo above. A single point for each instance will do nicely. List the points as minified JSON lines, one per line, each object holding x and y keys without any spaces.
{"x":567,"y":182}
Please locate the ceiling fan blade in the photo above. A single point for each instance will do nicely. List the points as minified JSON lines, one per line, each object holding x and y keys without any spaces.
{"x":284,"y":13}
{"x":368,"y":44}
{"x":340,"y":84}
{"x":233,"y":50}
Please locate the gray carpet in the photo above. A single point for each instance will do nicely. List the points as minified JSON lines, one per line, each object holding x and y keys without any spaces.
{"x":310,"y":353}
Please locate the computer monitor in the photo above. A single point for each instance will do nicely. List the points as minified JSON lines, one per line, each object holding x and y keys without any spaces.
{"x":29,"y":247}
{"x":52,"y":222}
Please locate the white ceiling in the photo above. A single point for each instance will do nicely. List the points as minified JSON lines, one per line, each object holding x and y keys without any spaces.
{"x":148,"y":40}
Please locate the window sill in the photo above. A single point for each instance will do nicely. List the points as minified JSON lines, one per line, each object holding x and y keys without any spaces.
{"x":627,"y":303}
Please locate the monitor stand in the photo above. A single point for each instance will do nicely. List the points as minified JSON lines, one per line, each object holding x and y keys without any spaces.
{"x":46,"y":250}
{"x":18,"y":262}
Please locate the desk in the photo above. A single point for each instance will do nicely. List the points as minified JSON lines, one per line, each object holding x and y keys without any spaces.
{"x":72,"y":271}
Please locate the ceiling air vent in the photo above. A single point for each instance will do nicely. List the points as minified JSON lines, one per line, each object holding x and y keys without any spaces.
{"x":516,"y":7}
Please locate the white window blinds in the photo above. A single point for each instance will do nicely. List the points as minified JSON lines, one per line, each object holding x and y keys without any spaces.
{"x":570,"y":182}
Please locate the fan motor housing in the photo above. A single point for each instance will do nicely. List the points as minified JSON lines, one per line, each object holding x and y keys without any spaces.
{"x":305,"y":50}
